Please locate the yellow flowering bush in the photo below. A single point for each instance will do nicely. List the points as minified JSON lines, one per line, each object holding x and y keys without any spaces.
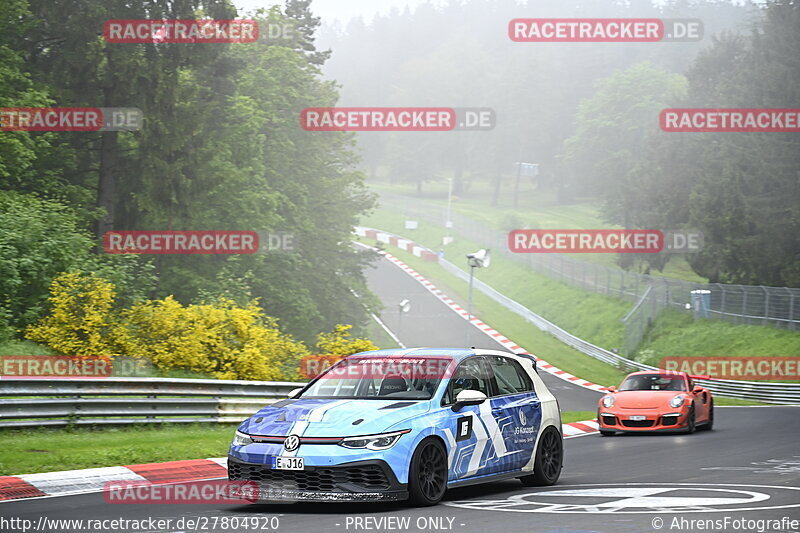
{"x":340,"y":342}
{"x":220,"y":339}
{"x":81,"y":321}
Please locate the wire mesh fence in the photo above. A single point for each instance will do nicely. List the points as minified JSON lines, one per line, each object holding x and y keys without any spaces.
{"x":739,"y":304}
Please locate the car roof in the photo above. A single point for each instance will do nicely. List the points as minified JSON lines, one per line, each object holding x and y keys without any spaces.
{"x":661,"y":372}
{"x":454,"y":353}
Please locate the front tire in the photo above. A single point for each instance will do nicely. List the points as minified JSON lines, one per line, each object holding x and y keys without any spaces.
{"x":549,"y":459}
{"x":710,"y":424}
{"x":690,"y":424}
{"x":427,"y":477}
{"x":606,"y":433}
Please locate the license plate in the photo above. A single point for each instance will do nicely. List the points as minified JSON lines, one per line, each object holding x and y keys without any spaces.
{"x":637,"y":417}
{"x":288,"y":463}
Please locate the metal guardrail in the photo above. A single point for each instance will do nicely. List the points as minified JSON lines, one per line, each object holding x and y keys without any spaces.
{"x":778,"y":393}
{"x":59,"y":402}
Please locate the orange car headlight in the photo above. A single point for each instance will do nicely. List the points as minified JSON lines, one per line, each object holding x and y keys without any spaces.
{"x":677,"y":401}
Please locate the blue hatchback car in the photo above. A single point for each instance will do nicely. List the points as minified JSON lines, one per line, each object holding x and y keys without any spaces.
{"x":403,"y":424}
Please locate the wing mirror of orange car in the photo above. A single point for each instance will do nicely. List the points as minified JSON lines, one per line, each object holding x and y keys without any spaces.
{"x":697,"y":389}
{"x":612,"y":389}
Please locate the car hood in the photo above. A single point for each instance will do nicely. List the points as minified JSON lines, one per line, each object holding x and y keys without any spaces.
{"x":644,"y":399}
{"x":332,"y":418}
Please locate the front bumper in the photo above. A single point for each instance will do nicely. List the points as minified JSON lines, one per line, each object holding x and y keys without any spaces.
{"x":359,"y":481}
{"x":619,"y":420}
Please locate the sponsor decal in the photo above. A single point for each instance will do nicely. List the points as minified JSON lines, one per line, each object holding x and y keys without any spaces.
{"x":70,"y":118}
{"x":730,"y":120}
{"x":743,"y":368}
{"x":183,"y":31}
{"x":464,"y":425}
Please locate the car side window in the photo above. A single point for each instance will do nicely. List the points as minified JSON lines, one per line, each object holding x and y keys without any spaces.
{"x":471,"y":374}
{"x":510,"y":376}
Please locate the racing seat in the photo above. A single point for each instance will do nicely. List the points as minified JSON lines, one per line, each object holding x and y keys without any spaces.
{"x":392,"y":384}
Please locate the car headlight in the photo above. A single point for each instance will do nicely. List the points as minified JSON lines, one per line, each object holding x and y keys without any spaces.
{"x":240,"y":439}
{"x":677,"y":401}
{"x":608,"y":401}
{"x":382,"y":441}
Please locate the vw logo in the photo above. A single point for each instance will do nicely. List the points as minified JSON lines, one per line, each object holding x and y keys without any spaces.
{"x":522,"y":417}
{"x":291,"y":443}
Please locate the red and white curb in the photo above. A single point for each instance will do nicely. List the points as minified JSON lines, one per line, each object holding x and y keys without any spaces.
{"x":425,"y":253}
{"x":578,"y":429}
{"x":70,"y":482}
{"x":95,"y":479}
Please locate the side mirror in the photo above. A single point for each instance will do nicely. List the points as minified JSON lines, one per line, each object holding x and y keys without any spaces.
{"x":468,"y":397}
{"x":294,"y":393}
{"x":612,"y":389}
{"x":697,"y":389}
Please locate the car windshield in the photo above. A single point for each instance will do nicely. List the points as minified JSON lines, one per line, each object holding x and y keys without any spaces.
{"x":653,"y":382}
{"x":371,"y":378}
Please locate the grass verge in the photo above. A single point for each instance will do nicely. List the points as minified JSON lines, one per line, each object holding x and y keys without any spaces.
{"x":34,"y":450}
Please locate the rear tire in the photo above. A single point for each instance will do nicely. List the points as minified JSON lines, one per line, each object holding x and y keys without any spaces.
{"x":427,"y":477}
{"x":549,"y":459}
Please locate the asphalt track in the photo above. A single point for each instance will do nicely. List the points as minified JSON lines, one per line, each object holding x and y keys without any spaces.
{"x":743,"y":473}
{"x":747,"y":462}
{"x":430,"y":322}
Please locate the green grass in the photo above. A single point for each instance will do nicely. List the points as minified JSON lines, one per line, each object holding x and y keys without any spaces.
{"x":590,"y":316}
{"x":595,"y":317}
{"x":677,"y":334}
{"x":577,"y":416}
{"x":28,"y":451}
{"x":18,"y":347}
{"x":536,"y":209}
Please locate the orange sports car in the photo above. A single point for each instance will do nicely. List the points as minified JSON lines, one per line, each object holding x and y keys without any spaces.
{"x":656,"y":400}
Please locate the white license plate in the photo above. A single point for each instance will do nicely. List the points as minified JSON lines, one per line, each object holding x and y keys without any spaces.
{"x":637,"y":417}
{"x":289,"y":463}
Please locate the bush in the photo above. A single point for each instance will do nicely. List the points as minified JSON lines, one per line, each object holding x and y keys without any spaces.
{"x":219,"y":339}
{"x":40,"y":239}
{"x":81,"y":320}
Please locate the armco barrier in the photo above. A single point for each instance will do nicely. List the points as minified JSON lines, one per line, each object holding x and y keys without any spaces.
{"x":779,"y":393}
{"x":58,"y":402}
